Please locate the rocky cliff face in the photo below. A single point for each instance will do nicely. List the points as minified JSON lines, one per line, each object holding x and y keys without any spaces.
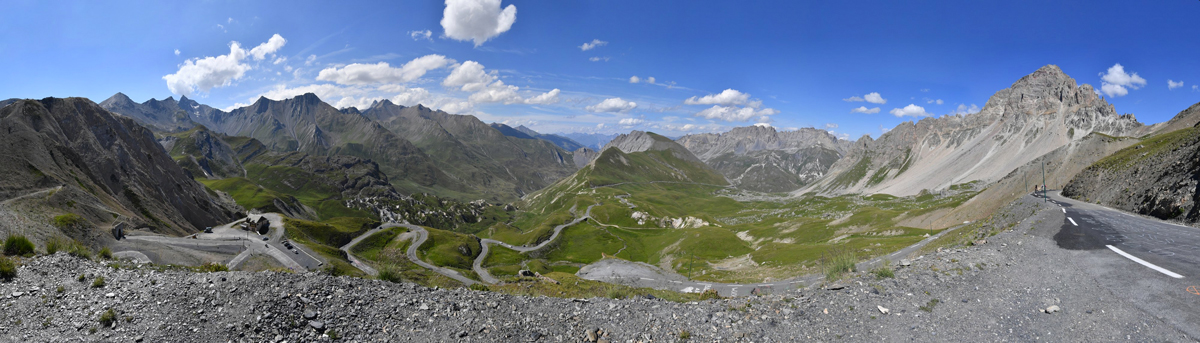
{"x":496,"y":166}
{"x":765,"y":160}
{"x":110,"y":165}
{"x":159,"y":115}
{"x":203,"y":153}
{"x":638,"y":141}
{"x":1038,"y":114}
{"x":1157,"y":176}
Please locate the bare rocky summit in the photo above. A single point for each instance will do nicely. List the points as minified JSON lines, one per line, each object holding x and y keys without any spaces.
{"x":762,"y":159}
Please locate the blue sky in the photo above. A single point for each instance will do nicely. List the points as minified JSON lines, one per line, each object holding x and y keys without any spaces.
{"x":715,"y":64}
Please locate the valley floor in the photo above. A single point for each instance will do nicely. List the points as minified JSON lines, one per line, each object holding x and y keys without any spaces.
{"x":996,"y":291}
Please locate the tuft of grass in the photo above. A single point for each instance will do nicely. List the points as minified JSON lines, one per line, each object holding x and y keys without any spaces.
{"x":79,"y":250}
{"x":389,"y":273}
{"x":81,"y":278}
{"x":98,"y":282}
{"x":105,"y":253}
{"x":479,"y":287}
{"x":928,"y":307}
{"x":18,"y":245}
{"x":710,"y":294}
{"x":883,"y":272}
{"x":68,"y":220}
{"x":210,"y":267}
{"x":685,"y":334}
{"x":56,"y":243}
{"x":108,"y":318}
{"x":60,"y":289}
{"x":837,"y":262}
{"x":8,"y":269}
{"x":333,"y":334}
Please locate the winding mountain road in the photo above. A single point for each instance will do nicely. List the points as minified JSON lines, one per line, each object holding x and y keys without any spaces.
{"x":488,"y":278}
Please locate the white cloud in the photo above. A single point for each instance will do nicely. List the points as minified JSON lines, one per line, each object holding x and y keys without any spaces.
{"x":932,"y":101}
{"x":864,"y":109}
{"x":497,"y":92}
{"x":884,"y":129}
{"x":269,"y":47}
{"x":477,"y":20}
{"x":963,"y":109}
{"x":176,"y":52}
{"x":831,"y":126}
{"x":872,"y":97}
{"x":546,"y":98}
{"x":727,"y":97}
{"x":1171,"y":84}
{"x":634,"y":79}
{"x":421,"y":34}
{"x":470,"y":76}
{"x":911,"y":110}
{"x":1195,"y":88}
{"x":630,"y":121}
{"x":650,"y":80}
{"x":734,"y":113}
{"x":356,"y":74}
{"x":280,"y":60}
{"x":1115,"y":81}
{"x":592,"y":45}
{"x":204,"y":74}
{"x":924,"y":90}
{"x":235,"y":106}
{"x":309,"y":61}
{"x":612,"y":105}
{"x":598,"y":59}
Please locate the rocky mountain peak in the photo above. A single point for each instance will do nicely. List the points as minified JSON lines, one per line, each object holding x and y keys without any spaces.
{"x":638,"y":141}
{"x":119,"y":99}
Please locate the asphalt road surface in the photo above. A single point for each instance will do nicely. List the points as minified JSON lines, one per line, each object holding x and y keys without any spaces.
{"x":1154,"y":264}
{"x":488,"y":278}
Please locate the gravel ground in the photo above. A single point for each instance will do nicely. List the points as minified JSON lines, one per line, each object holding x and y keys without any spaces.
{"x":997,"y":291}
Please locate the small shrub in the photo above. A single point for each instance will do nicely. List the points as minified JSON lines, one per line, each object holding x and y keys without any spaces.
{"x":81,"y":278}
{"x":710,"y":294}
{"x":389,"y":273}
{"x":105,"y":253}
{"x":838,"y":261}
{"x":332,"y":334}
{"x":18,"y":245}
{"x":56,"y":243}
{"x":212,"y":267}
{"x":68,"y":220}
{"x":617,"y":293}
{"x":60,"y":289}
{"x":99,"y":282}
{"x":685,"y":334}
{"x":883,"y":272}
{"x":78,"y":250}
{"x":479,"y":287}
{"x":108,"y":318}
{"x":8,"y":269}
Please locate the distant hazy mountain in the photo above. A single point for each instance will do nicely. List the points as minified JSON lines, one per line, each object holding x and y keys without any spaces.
{"x":164,"y":115}
{"x":562,"y":142}
{"x":762,"y":159}
{"x":495,"y":166}
{"x":1038,"y":114}
{"x":101,"y":166}
{"x":590,"y":140}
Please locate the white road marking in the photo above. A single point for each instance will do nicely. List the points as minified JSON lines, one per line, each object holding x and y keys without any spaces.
{"x":647,"y":279}
{"x":1072,"y":221}
{"x":1144,"y":263}
{"x":1064,"y":210}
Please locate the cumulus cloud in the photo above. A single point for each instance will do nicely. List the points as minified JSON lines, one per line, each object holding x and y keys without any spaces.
{"x":734,"y":113}
{"x":469,"y":76}
{"x":864,"y":109}
{"x":630,"y":121}
{"x":382,"y":72}
{"x":727,"y":97}
{"x":477,"y":20}
{"x":964,"y":109}
{"x":1116,"y":81}
{"x":932,"y":101}
{"x":204,"y":74}
{"x":598,"y":59}
{"x":176,"y":52}
{"x":910,"y":111}
{"x":872,"y":97}
{"x":634,"y":79}
{"x":546,"y":98}
{"x":592,"y":45}
{"x":614,"y":105}
{"x":269,"y":47}
{"x":1171,"y":84}
{"x":421,"y":34}
{"x":650,"y":80}
{"x":831,"y":126}
{"x":280,"y":60}
{"x":497,"y":92}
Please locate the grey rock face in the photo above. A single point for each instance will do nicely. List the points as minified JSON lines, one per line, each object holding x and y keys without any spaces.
{"x":763,"y":159}
{"x":638,"y":141}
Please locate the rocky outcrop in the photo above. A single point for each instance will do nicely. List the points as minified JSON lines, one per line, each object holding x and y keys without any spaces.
{"x":639,"y":141}
{"x":111,"y":164}
{"x":1157,"y":177}
{"x":759,"y":158}
{"x":203,"y":153}
{"x":583,"y":156}
{"x":1038,"y":114}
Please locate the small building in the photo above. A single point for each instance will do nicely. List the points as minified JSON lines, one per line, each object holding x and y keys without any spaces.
{"x":118,"y":230}
{"x":262,"y":225}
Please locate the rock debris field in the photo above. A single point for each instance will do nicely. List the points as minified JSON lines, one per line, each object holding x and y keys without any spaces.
{"x":1018,"y":286}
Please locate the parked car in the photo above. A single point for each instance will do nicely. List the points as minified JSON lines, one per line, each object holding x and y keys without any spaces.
{"x":266,"y":238}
